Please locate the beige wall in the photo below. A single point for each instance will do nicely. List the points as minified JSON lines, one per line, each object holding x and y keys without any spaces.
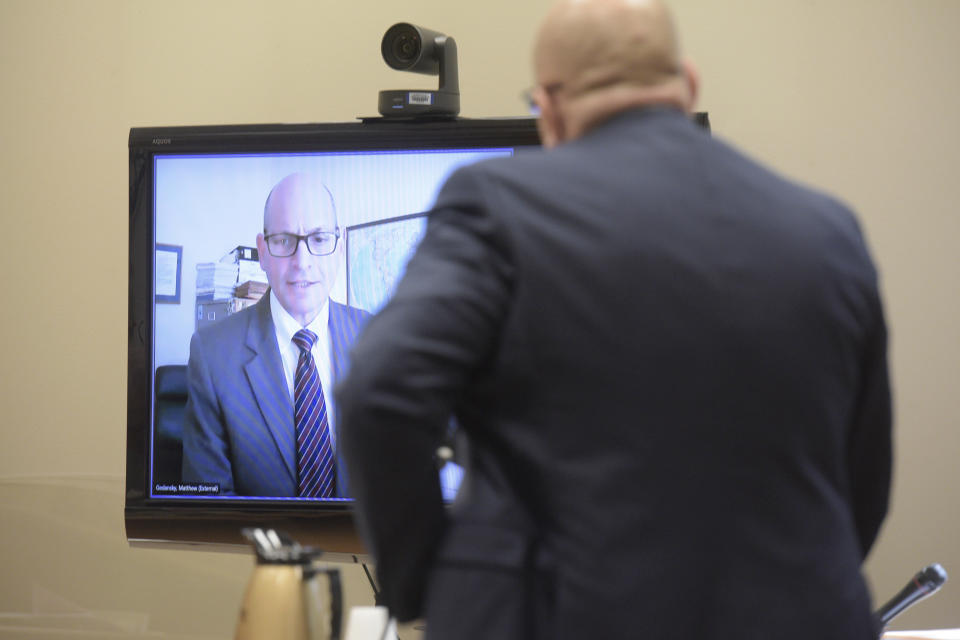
{"x":861,"y":98}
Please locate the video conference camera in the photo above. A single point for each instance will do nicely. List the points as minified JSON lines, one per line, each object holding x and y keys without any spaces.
{"x":407,"y":47}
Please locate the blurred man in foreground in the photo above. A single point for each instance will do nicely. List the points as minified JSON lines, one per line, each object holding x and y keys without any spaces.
{"x":669,"y":362}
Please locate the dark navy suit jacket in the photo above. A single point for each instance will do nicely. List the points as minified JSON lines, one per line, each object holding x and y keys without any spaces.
{"x":239,"y":429}
{"x":670,"y":364}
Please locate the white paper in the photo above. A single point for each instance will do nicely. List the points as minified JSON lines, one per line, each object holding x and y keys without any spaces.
{"x":166,"y":273}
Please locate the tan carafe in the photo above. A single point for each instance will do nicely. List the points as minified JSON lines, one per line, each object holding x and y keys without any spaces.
{"x":288,"y":596}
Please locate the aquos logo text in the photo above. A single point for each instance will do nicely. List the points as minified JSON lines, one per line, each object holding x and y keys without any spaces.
{"x":161,"y":141}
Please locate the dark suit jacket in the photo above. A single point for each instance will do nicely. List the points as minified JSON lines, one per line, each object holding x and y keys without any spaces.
{"x":239,"y":429}
{"x":670,"y":364}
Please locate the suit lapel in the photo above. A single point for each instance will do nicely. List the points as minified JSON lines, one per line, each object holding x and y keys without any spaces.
{"x":335,"y":324}
{"x":267,"y":381}
{"x":344,"y":324}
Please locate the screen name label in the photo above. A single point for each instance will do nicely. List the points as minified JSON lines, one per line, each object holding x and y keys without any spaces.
{"x":187,"y":488}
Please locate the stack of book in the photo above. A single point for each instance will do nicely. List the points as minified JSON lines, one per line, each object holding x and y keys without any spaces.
{"x":251,"y":279}
{"x":235,"y":275}
{"x":229,"y":285}
{"x":216,"y":280}
{"x":252,"y":289}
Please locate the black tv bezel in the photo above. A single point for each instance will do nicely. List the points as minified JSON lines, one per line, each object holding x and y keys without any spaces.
{"x":165,"y":521}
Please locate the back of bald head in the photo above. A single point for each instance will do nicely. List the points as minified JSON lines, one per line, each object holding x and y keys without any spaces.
{"x":593,"y":43}
{"x":627,"y":50}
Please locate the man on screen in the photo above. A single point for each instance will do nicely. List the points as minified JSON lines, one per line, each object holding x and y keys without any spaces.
{"x":669,"y":363}
{"x":259,"y":417}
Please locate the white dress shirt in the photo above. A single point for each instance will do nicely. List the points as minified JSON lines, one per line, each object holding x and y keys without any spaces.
{"x":286,"y":327}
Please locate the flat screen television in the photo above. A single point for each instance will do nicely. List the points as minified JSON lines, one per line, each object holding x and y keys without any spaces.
{"x":197,"y":198}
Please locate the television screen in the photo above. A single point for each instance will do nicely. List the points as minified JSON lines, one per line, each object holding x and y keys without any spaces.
{"x":211,"y":445}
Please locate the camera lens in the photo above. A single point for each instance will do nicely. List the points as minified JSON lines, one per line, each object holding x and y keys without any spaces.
{"x":402,"y":46}
{"x":406,"y":47}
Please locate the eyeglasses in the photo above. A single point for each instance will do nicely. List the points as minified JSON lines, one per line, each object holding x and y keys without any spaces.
{"x":527,"y":96}
{"x":531,"y":102}
{"x":319,"y":243}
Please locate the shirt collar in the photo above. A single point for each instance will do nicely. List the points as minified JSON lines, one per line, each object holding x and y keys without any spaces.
{"x":286,"y":326}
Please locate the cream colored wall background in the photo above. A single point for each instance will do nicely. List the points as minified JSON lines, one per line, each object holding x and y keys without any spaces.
{"x":860,"y":97}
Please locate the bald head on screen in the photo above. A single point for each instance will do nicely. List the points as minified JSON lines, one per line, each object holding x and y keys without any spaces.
{"x":299,"y":248}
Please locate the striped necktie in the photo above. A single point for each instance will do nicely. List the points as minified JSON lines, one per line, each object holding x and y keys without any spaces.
{"x":315,"y":465}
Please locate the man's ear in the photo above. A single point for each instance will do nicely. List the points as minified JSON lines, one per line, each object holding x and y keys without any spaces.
{"x":692,"y":80}
{"x":261,"y":248}
{"x":550,"y":123}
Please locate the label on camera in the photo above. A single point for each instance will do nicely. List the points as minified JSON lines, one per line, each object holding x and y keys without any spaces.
{"x":419,"y":97}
